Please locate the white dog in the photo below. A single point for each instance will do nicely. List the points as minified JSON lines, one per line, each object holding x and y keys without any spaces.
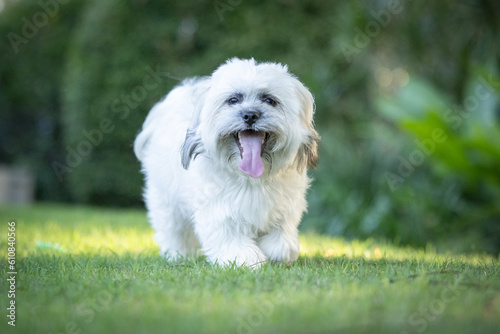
{"x":225,"y":161}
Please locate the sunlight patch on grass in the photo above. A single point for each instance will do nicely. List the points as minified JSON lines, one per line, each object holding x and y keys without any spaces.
{"x":102,"y":240}
{"x":313,"y":245}
{"x":55,"y":229}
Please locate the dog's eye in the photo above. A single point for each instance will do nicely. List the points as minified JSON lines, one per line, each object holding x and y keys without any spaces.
{"x":233,"y":100}
{"x":270,"y":101}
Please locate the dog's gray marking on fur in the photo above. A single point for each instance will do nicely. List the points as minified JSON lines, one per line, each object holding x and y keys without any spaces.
{"x":191,"y":148}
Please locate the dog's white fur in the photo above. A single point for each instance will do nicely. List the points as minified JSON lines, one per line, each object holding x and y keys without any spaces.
{"x":195,"y":193}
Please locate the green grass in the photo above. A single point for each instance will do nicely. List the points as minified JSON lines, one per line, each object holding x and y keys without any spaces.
{"x":88,"y":270}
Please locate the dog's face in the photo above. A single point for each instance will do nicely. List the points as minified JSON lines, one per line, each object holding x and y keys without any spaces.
{"x":253,"y":117}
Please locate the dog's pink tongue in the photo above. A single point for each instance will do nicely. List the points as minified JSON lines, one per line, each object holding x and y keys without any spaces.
{"x":251,"y":163}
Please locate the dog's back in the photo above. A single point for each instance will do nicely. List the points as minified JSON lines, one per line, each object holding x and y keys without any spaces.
{"x":167,"y":108}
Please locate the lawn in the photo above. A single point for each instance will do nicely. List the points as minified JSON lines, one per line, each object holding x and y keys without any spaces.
{"x":93,"y":270}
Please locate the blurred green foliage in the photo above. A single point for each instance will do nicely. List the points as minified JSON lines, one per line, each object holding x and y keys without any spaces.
{"x":463,"y":140}
{"x":383,"y":73}
{"x":31,"y":70}
{"x":459,"y":143}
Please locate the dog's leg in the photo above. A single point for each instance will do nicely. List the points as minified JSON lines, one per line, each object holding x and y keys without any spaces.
{"x":174,"y":233}
{"x":222,"y":243}
{"x":281,"y":244}
{"x":176,"y":242}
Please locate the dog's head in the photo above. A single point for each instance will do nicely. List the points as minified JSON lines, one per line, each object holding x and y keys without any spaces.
{"x":254,"y":117}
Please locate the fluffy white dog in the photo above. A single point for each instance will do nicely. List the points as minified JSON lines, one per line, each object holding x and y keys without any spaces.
{"x":225,"y":159}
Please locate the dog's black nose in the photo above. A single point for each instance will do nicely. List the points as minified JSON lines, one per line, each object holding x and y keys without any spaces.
{"x":250,"y":116}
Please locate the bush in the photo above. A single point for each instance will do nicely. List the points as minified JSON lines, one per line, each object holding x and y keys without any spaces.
{"x":118,"y":45}
{"x":460,"y":143}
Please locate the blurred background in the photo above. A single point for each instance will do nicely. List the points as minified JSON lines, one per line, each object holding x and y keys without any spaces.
{"x":407,"y":103}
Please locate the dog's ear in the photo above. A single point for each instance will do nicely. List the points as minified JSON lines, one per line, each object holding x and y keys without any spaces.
{"x":307,"y":155}
{"x":191,"y":148}
{"x":193,"y":145}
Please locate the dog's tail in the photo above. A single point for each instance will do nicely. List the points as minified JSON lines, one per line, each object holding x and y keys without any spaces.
{"x":148,"y":128}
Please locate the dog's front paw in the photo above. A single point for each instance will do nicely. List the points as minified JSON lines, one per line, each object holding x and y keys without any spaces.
{"x":250,"y":256}
{"x":279,"y":247}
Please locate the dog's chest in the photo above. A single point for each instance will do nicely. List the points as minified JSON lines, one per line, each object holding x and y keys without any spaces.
{"x":252,"y":206}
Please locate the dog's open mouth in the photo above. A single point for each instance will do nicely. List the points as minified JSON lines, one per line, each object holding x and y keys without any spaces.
{"x":251,"y":144}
